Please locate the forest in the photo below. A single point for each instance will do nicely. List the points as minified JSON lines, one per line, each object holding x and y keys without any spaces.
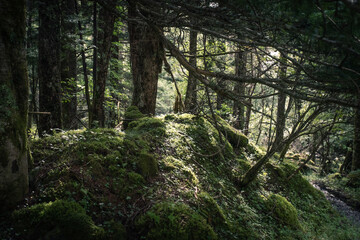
{"x":179,"y":120}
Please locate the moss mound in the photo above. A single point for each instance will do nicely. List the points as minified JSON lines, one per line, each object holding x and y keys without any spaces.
{"x":354,"y":178}
{"x":283,"y":210}
{"x":175,"y":221}
{"x":56,"y":220}
{"x":132,"y":113}
{"x":180,"y":163}
{"x":147,"y":164}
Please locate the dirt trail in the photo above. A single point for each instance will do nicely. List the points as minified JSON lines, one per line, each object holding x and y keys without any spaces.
{"x":343,"y":208}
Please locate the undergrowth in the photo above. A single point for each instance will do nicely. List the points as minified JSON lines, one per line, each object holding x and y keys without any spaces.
{"x":171,"y":178}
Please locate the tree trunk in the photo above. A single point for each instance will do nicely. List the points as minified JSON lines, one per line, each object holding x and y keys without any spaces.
{"x":280,"y":116}
{"x":240,"y":70}
{"x":13,"y":105}
{"x":95,"y":56}
{"x":68,"y":66}
{"x":84,"y":65}
{"x":355,"y":165}
{"x":190,"y":99}
{"x":106,"y":27}
{"x":49,"y":66}
{"x":146,"y":54}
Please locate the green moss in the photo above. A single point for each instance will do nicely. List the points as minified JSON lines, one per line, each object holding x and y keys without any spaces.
{"x":175,"y":221}
{"x":153,"y":126}
{"x":297,"y":183}
{"x":236,"y":138}
{"x":147,"y":165}
{"x":209,"y":209}
{"x":56,"y":220}
{"x":354,"y":178}
{"x":131,"y":114}
{"x":283,"y":210}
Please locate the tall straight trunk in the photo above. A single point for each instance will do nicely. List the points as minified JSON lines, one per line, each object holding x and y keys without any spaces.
{"x":68,"y":66}
{"x":355,"y":165}
{"x":190,"y":98}
{"x":95,"y":56}
{"x":13,"y":105}
{"x":281,"y":116}
{"x":49,"y":66}
{"x":146,"y":56}
{"x":84,"y":65}
{"x":106,"y":27}
{"x":240,"y":70}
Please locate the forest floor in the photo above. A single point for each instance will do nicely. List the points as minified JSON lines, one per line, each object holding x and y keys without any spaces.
{"x":141,"y":183}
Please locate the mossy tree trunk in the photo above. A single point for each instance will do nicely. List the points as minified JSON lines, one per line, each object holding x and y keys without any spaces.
{"x":106,"y":28}
{"x":49,"y":66}
{"x":281,"y":116}
{"x":146,"y":56}
{"x":191,"y":95}
{"x":240,"y":70}
{"x":68,"y":65}
{"x":13,"y":104}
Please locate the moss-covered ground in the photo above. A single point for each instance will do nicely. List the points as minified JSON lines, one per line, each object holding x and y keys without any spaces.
{"x":172,"y":177}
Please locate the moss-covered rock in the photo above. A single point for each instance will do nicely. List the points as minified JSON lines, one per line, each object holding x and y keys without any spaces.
{"x":147,"y":164}
{"x":283,"y":210}
{"x":175,"y":221}
{"x":56,"y":220}
{"x":132,"y":113}
{"x":210,"y":210}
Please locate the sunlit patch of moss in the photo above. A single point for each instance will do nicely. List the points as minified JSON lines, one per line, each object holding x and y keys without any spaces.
{"x":175,"y":221}
{"x":283,"y":210}
{"x":179,"y":168}
{"x":56,"y":220}
{"x":148,"y":125}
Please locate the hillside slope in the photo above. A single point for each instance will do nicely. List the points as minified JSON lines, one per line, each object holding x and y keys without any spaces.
{"x":166,"y":178}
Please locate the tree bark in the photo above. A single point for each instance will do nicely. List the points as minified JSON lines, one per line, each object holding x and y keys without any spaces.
{"x":191,"y":95}
{"x":13,"y":105}
{"x":49,"y":66}
{"x":68,"y":65}
{"x":146,"y":56}
{"x":240,"y":70}
{"x":95,"y":56}
{"x":280,"y":116}
{"x":106,"y":28}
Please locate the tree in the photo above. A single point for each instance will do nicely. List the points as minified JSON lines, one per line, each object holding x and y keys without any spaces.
{"x":68,"y":65}
{"x":106,"y":28}
{"x":240,"y":70}
{"x":49,"y":66}
{"x":13,"y":105}
{"x":146,"y":56}
{"x":190,"y":98}
{"x":280,"y":116}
